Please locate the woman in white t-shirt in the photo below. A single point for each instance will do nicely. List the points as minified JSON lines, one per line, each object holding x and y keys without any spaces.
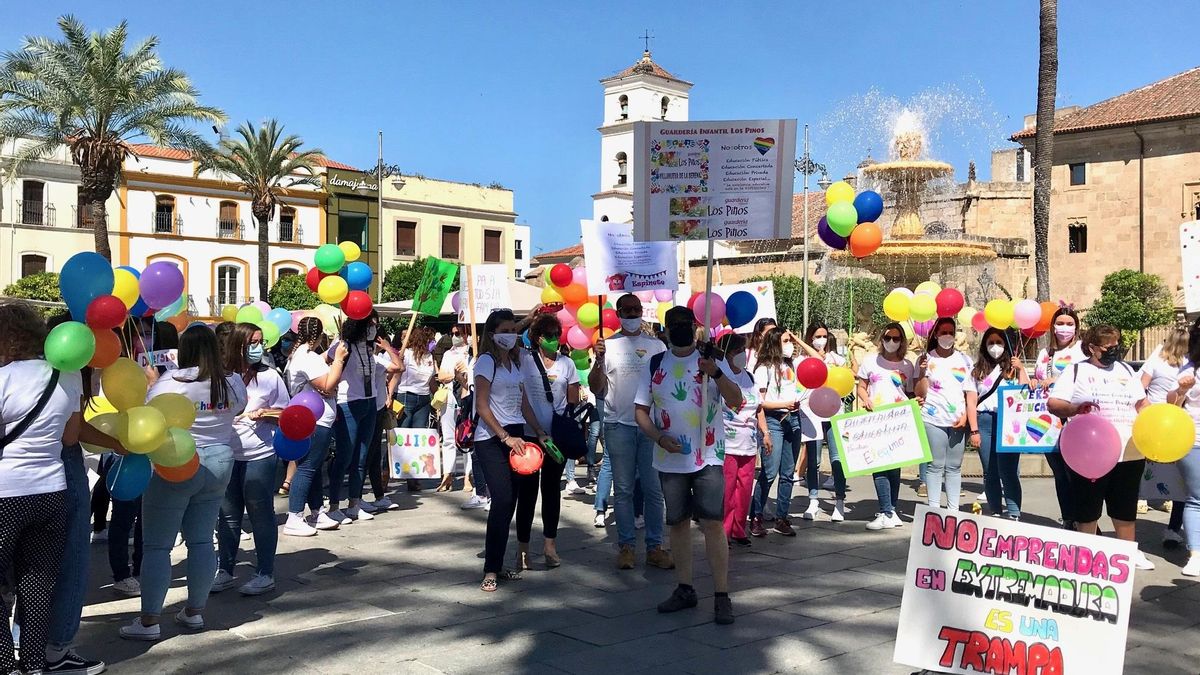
{"x":189,"y":507}
{"x":355,"y":423}
{"x":418,"y":375}
{"x":1187,"y":395}
{"x":779,"y":396}
{"x":996,"y":365}
{"x":820,"y":344}
{"x":1063,"y":350}
{"x":755,"y":342}
{"x":1160,"y":376}
{"x":883,"y":379}
{"x":453,"y":374}
{"x":387,"y":374}
{"x":943,"y":381}
{"x":744,"y":428}
{"x":308,"y":373}
{"x":252,"y":483}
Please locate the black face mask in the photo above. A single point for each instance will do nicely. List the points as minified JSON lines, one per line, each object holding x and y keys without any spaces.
{"x":1110,"y":356}
{"x":681,"y":335}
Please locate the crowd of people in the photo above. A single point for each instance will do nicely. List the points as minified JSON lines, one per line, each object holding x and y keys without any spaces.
{"x":691,"y":429}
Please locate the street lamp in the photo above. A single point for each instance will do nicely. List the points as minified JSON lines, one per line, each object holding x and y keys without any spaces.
{"x":807,"y":167}
{"x":381,"y":171}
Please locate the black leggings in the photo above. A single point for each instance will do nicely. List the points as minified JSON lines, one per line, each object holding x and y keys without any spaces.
{"x":1062,"y":485}
{"x":32,"y":531}
{"x":503,"y":485}
{"x":550,"y":476}
{"x":375,"y":459}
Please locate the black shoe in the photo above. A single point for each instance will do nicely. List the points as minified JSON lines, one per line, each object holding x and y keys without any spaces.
{"x":723,"y":610}
{"x":74,"y":664}
{"x":681,"y":599}
{"x":744,"y":542}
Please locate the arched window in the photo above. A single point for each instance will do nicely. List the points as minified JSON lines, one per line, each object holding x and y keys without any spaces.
{"x":287,"y":224}
{"x":32,"y":263}
{"x":624,"y":101}
{"x":286,"y":272}
{"x":622,"y":169}
{"x":164,"y":215}
{"x":33,"y":202}
{"x":666,"y":102}
{"x":228,"y":276}
{"x":228,"y":225}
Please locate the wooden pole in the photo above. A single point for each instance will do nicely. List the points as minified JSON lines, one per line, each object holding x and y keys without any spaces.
{"x":471,"y":310}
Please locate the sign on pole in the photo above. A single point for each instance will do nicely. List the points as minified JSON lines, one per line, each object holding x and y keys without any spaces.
{"x":889,"y":437}
{"x":487,"y":290}
{"x":415,"y":453}
{"x":728,"y":180}
{"x":1023,"y":421}
{"x":992,"y":595}
{"x":616,"y":263}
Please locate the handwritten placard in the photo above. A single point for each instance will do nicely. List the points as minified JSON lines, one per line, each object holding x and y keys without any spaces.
{"x":991,"y":595}
{"x":617,"y":264}
{"x":1023,"y":420}
{"x":166,"y":358}
{"x":488,"y":291}
{"x":889,"y":437}
{"x":415,"y":453}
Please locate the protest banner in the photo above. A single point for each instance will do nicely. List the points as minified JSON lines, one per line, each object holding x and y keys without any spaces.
{"x":889,"y":437}
{"x":763,"y":292}
{"x":726,"y":180}
{"x":435,"y":285}
{"x":487,"y":290}
{"x":991,"y":595}
{"x":1189,"y":253}
{"x":616,"y":263}
{"x":1162,"y":481}
{"x":415,"y":453}
{"x":1023,"y":421}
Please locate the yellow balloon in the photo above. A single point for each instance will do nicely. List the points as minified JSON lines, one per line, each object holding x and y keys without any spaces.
{"x":96,"y":407}
{"x":351,"y":250}
{"x":922,"y":307}
{"x":840,"y":191}
{"x":178,"y":409}
{"x":908,"y":330}
{"x":146,"y":430}
{"x":662,"y":311}
{"x":999,"y":313}
{"x":966,"y":315}
{"x":107,"y":423}
{"x":551,"y":296}
{"x":1164,"y":433}
{"x":332,"y":289}
{"x":229,"y":313}
{"x":928,"y":288}
{"x":330,"y":317}
{"x":125,"y":287}
{"x":124,"y":383}
{"x":176,"y":450}
{"x":897,"y":306}
{"x":841,"y":380}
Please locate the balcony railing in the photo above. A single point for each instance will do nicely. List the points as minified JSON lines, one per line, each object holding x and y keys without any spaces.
{"x":229,"y":229}
{"x":216,"y":302}
{"x":36,"y":212}
{"x":167,"y":222}
{"x":290,"y":232}
{"x":82,"y":220}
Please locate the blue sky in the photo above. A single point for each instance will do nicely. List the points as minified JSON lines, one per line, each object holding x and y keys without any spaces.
{"x":490,"y":91}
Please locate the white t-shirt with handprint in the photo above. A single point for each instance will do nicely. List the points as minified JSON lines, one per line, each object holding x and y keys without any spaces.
{"x":672,"y":392}
{"x":949,"y":379}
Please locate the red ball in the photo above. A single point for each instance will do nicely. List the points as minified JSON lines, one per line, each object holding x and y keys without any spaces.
{"x":106,"y":312}
{"x":949,"y":302}
{"x":313,"y":278}
{"x":297,"y":422}
{"x":560,"y":275}
{"x":528,"y":463}
{"x":812,"y":372}
{"x":357,"y":305}
{"x":609,"y":319}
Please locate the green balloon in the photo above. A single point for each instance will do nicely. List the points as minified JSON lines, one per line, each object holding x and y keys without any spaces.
{"x":70,"y":346}
{"x":577,"y":354}
{"x":249,"y":314}
{"x":329,"y":258}
{"x":176,"y":450}
{"x":581,"y":364}
{"x":842,"y":217}
{"x":270,"y":333}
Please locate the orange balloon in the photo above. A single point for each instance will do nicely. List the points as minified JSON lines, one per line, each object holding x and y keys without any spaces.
{"x":1048,"y":310}
{"x":108,"y":349}
{"x":865,"y":239}
{"x":180,"y":321}
{"x":178,"y":474}
{"x":574,"y":294}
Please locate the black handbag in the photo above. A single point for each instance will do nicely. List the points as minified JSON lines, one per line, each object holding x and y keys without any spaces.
{"x":565,"y":430}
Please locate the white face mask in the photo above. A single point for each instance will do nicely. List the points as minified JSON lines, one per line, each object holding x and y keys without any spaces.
{"x":739,"y":360}
{"x":631,"y":325}
{"x":820,"y":342}
{"x":891,"y":346}
{"x":456,"y":341}
{"x":946,"y":341}
{"x":788,"y":350}
{"x":505,"y":341}
{"x":995,"y":351}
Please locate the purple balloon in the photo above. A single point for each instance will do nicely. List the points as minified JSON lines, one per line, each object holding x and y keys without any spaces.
{"x":311,"y":400}
{"x":922,"y":328}
{"x":824,"y":402}
{"x":832,"y":239}
{"x":161,"y":284}
{"x":664,"y":295}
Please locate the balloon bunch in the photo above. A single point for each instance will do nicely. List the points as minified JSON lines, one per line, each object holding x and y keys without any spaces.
{"x":297,"y":422}
{"x":272,"y":322}
{"x":338,"y":277}
{"x":583,"y":320}
{"x":1028,"y":316}
{"x":724,"y":314}
{"x":918,"y":310}
{"x":828,"y":385}
{"x":849,"y":220}
{"x":1092,"y":446}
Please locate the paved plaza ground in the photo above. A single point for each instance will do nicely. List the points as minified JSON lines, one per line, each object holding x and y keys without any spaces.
{"x":400,"y":595}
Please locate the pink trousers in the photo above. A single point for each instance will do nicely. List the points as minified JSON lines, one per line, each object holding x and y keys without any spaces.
{"x":739,"y":487}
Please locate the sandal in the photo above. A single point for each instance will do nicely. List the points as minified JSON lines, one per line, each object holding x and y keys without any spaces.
{"x":523,"y":561}
{"x":285,"y":489}
{"x":488,"y":586}
{"x":510,"y":575}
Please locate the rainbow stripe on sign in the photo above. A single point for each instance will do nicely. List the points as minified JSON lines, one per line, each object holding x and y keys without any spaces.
{"x":1038,"y":426}
{"x":764,"y":144}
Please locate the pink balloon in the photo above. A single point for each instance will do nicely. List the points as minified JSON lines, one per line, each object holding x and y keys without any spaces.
{"x":579,"y":338}
{"x":824,"y":402}
{"x":715,"y":306}
{"x":579,"y":276}
{"x":296,"y":316}
{"x":664,"y":295}
{"x":922,"y":328}
{"x":1090,"y":445}
{"x":1027,"y":313}
{"x":567,"y":318}
{"x":979,"y":322}
{"x":265,"y":308}
{"x":645,"y":296}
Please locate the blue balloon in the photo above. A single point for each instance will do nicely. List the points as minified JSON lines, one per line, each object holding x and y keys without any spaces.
{"x":740,"y":308}
{"x":136,"y":274}
{"x":128,"y":477}
{"x":869,"y":206}
{"x":281,"y":318}
{"x":85,"y":277}
{"x":357,"y":275}
{"x":289,"y":450}
{"x":139,"y":309}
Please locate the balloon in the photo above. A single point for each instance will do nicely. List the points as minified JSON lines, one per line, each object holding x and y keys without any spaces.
{"x":177,"y":409}
{"x":579,"y":276}
{"x":922,"y":307}
{"x":603,"y":333}
{"x":313,"y":278}
{"x":999,"y":313}
{"x":588,"y":315}
{"x":561,"y":276}
{"x":839,"y":192}
{"x":740,"y":308}
{"x":566,"y":319}
{"x":1048,"y":310}
{"x":896,"y":305}
{"x":1026,"y":313}
{"x":83,"y":278}
{"x":106,"y":312}
{"x":125,"y":287}
{"x":865,"y":239}
{"x":329,"y":316}
{"x":842,"y":218}
{"x":832,"y":239}
{"x":161,"y":284}
{"x":841,"y":380}
{"x":528,"y":463}
{"x":609,"y":319}
{"x":297,"y":422}
{"x":949,"y":302}
{"x":146,"y":429}
{"x":644,"y":296}
{"x":177,"y":450}
{"x":106,"y":423}
{"x":979,"y":322}
{"x":357,"y":305}
{"x":1090,"y":445}
{"x":124,"y":383}
{"x":869,"y":205}
{"x":812,"y":372}
{"x":281,"y":318}
{"x":128,"y":477}
{"x":714,"y":305}
{"x":173,"y":309}
{"x":249,"y":314}
{"x":824,"y":402}
{"x":311,"y":400}
{"x":270,"y":333}
{"x":139,"y":309}
{"x":329,"y":258}
{"x":229,"y":313}
{"x":332,"y":289}
{"x":551,"y":296}
{"x":178,"y":474}
{"x":664,"y":295}
{"x":263,"y":307}
{"x":661,"y":311}
{"x":928,"y":288}
{"x":350,"y":251}
{"x":965,"y":316}
{"x":574,"y":294}
{"x":1032,"y":333}
{"x":288,"y":449}
{"x":69,"y":346}
{"x":1164,"y":433}
{"x":108,"y":349}
{"x":357,"y":275}
{"x":922,"y":328}
{"x":578,"y":338}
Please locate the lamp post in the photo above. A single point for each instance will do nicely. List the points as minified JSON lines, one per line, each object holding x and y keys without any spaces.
{"x":381,"y":171}
{"x":807,"y":167}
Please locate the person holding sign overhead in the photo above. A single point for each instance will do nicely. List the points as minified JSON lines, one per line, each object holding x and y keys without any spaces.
{"x":943,"y":380}
{"x":883,"y":379}
{"x":995,"y":365}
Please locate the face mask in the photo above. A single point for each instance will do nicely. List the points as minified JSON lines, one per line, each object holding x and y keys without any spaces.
{"x":739,"y":360}
{"x":1064,"y":333}
{"x":631,"y":325}
{"x":549,"y":345}
{"x":681,"y":335}
{"x":505,"y":341}
{"x":788,"y":350}
{"x":456,"y":341}
{"x":995,"y":351}
{"x":820,"y":343}
{"x":891,"y":346}
{"x":1110,"y":356}
{"x":371,"y":333}
{"x":254,"y":353}
{"x":945,"y":341}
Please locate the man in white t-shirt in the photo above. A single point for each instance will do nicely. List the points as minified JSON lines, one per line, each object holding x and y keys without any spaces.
{"x":678,"y":408}
{"x":620,"y":362}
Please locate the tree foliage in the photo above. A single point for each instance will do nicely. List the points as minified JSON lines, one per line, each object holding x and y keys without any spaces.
{"x":1132,"y":301}
{"x":291,"y":292}
{"x":41,"y":286}
{"x":829,"y":302}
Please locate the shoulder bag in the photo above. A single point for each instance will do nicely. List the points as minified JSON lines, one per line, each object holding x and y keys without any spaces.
{"x":566,"y":431}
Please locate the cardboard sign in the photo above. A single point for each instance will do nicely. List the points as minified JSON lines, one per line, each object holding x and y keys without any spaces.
{"x":167,"y":358}
{"x":435,"y":285}
{"x":488,"y":291}
{"x":1023,"y":421}
{"x":617,"y":264}
{"x":415,"y":453}
{"x":1162,"y":481}
{"x":727,"y":180}
{"x":764,"y":294}
{"x":991,"y":595}
{"x":1189,"y":251}
{"x":889,"y":437}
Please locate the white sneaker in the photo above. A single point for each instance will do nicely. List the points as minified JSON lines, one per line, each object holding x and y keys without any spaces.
{"x":129,"y":587}
{"x":1192,"y":568}
{"x":222,"y":580}
{"x":574,"y":489}
{"x":639,"y":522}
{"x":100,"y":537}
{"x":599,"y":521}
{"x":322,"y":521}
{"x":357,"y":513}
{"x":881,"y":522}
{"x":136,"y":631}
{"x":895,"y":519}
{"x":1171,"y":538}
{"x":475,"y":502}
{"x":338,"y":517}
{"x":259,"y":584}
{"x":1141,"y":562}
{"x":814,"y":508}
{"x":189,"y":622}
{"x":296,"y":526}
{"x":837,"y":515}
{"x":385,"y":504}
{"x":246,"y":536}
{"x":178,"y":540}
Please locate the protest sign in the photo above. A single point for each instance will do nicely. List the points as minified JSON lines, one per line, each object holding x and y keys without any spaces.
{"x":166,"y":358}
{"x":617,"y":264}
{"x":991,"y":595}
{"x":1189,"y":253}
{"x":486,"y":289}
{"x":1023,"y":421}
{"x":727,"y":180}
{"x":435,"y":285}
{"x":1162,"y":481}
{"x":764,"y":294}
{"x":415,"y":453}
{"x":889,"y":437}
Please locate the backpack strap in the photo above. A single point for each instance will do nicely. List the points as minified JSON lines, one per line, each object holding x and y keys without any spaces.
{"x":537,"y":360}
{"x":656,"y":361}
{"x":16,"y":431}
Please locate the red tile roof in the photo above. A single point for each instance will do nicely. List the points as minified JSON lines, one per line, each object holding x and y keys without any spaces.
{"x":816,"y":209}
{"x":646,"y":66}
{"x":331,"y":164}
{"x":563,"y":253}
{"x":1176,"y":97}
{"x":147,"y":150}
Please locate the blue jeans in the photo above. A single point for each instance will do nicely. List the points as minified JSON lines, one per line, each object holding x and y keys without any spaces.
{"x":887,"y":488}
{"x":781,"y":463}
{"x":593,"y":436}
{"x":604,"y":484}
{"x":352,"y":434}
{"x":1189,"y":469}
{"x":189,"y":508}
{"x":252,"y":490}
{"x":71,"y":585}
{"x":946,"y":445}
{"x":416,"y":410}
{"x":1001,"y":470}
{"x":813,"y":475}
{"x":632,"y":456}
{"x":306,"y":482}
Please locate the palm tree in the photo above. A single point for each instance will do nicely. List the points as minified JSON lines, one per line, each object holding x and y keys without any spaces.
{"x":262,"y":160}
{"x":1043,"y":143}
{"x":88,"y":92}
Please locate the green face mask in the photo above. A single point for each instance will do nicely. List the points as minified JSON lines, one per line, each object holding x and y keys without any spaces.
{"x":549,"y":345}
